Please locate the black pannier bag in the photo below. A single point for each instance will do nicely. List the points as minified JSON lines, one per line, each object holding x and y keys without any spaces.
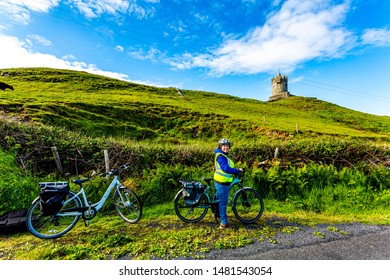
{"x":13,"y":222}
{"x":192,"y":191}
{"x":53,"y":195}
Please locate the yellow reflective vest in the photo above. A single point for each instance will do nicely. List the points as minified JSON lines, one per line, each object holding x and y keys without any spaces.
{"x":219,"y":175}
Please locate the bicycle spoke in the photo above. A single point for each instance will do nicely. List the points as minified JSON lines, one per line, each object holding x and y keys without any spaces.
{"x":248,"y":205}
{"x":128,"y":205}
{"x":49,"y":227}
{"x":190,"y":214}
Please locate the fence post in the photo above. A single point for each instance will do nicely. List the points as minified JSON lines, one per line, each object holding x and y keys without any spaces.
{"x":57,"y":158}
{"x":276,"y":153}
{"x":296,"y":128}
{"x":107,"y":161}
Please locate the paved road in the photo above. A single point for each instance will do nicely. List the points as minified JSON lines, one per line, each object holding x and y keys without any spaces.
{"x":374,"y":246}
{"x":362,"y":242}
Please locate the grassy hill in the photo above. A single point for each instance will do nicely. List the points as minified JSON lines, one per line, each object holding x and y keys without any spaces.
{"x":83,"y":114}
{"x":97,"y":106}
{"x":333,"y":164}
{"x":88,"y":108}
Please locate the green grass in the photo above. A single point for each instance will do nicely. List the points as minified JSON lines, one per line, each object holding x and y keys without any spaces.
{"x":108,"y":237}
{"x":99,"y":105}
{"x":334,"y":169}
{"x":83,"y":114}
{"x":16,"y":187}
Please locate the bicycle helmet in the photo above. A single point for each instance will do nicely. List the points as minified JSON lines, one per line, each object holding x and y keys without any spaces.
{"x":223,"y":141}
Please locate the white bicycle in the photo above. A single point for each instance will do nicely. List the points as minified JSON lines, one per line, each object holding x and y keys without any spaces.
{"x":76,"y":205}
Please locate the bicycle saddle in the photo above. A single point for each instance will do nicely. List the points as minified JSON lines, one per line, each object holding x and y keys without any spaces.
{"x":80,"y":181}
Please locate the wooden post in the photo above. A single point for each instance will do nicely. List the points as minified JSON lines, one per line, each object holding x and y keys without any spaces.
{"x":265,"y":119}
{"x":107,"y":160}
{"x":296,"y":128}
{"x":276,"y":153}
{"x":57,"y":158}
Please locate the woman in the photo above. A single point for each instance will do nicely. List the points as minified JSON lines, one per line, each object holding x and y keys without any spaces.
{"x":223,"y":176}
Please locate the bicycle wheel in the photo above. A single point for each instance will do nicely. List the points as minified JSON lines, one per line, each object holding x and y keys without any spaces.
{"x":49,"y":227}
{"x":191,"y":214}
{"x":128,"y":205}
{"x":247,"y":205}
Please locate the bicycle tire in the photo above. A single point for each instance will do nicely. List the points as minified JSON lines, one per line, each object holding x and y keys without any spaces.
{"x":128,"y":205}
{"x":54,"y":226}
{"x":191,"y":214}
{"x":248,"y":206}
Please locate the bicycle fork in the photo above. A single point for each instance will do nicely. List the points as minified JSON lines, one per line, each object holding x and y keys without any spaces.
{"x":126,"y":201}
{"x":245,"y":201}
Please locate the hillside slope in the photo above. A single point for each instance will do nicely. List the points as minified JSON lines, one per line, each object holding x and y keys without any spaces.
{"x":167,"y":135}
{"x":97,"y":106}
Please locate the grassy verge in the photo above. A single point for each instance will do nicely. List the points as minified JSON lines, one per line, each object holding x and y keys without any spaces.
{"x":161,"y":235}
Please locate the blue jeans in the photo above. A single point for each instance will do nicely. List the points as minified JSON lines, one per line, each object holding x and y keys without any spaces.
{"x":223,"y":195}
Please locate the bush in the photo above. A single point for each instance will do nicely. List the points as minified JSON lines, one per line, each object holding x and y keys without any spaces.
{"x":322,"y":188}
{"x":160,"y":185}
{"x":17,"y":190}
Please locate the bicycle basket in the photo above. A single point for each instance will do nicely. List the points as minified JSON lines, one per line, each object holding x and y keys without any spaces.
{"x":192,"y":191}
{"x":52,"y":195}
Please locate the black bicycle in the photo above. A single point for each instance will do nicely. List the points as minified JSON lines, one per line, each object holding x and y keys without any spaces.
{"x":194,"y":200}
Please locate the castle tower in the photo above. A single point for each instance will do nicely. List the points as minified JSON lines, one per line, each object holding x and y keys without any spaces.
{"x":279,"y":88}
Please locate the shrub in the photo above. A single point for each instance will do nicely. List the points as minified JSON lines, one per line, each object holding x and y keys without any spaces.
{"x":17,"y":189}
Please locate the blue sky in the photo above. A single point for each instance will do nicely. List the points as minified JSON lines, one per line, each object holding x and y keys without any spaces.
{"x":337,"y":51}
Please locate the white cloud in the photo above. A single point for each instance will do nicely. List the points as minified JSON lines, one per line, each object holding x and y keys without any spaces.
{"x":178,"y":26}
{"x":94,"y":9}
{"x":377,"y":37}
{"x":18,"y":11}
{"x":15,"y":53}
{"x":69,"y":57}
{"x":34,"y":5}
{"x":296,"y":80}
{"x":300,"y":31}
{"x":152,"y":54}
{"x":201,"y":18}
{"x":39,"y":39}
{"x":119,"y":48}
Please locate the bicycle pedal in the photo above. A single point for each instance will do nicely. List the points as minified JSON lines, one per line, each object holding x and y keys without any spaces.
{"x":87,"y":222}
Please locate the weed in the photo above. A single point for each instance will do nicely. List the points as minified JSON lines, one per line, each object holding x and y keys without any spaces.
{"x":290,"y":229}
{"x":334,"y":229}
{"x":319,"y":234}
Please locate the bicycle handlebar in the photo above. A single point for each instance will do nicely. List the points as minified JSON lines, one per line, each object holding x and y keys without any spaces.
{"x":110,"y":173}
{"x":116,"y":171}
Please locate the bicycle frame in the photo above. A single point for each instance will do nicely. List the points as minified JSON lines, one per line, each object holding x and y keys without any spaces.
{"x":209,"y":188}
{"x":98,"y":205}
{"x":235,"y":181}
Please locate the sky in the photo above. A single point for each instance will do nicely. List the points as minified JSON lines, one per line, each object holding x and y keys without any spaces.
{"x":334,"y":50}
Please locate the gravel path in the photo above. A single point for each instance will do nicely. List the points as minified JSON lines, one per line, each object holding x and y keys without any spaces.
{"x":353,"y":241}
